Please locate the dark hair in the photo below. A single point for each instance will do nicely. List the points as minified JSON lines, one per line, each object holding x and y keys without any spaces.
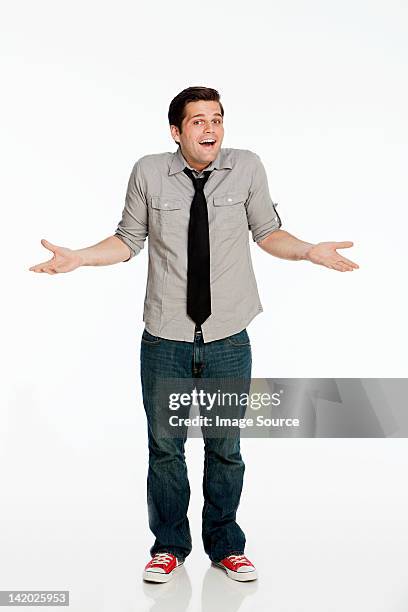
{"x":191,"y":94}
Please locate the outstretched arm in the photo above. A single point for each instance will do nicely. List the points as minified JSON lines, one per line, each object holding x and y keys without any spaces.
{"x":109,"y":251}
{"x":282,"y":244}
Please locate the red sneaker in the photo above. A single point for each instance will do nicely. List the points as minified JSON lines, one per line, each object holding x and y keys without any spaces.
{"x":238,"y":567}
{"x":161,"y":568}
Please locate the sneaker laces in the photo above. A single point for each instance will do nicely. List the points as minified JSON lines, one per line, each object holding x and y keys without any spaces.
{"x":235,"y":559}
{"x":161,"y":559}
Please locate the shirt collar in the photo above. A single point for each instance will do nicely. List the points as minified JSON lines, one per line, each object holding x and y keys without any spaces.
{"x":178,"y":163}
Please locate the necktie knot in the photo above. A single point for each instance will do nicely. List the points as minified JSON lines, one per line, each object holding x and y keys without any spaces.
{"x":198,"y":182}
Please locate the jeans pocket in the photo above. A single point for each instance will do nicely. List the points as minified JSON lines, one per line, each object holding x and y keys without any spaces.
{"x":148,"y":338}
{"x":239,"y":339}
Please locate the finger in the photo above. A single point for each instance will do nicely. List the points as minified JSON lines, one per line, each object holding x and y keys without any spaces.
{"x":40,"y":265}
{"x":344,"y":245}
{"x":337,"y":265}
{"x":48,"y":245}
{"x":37,"y":268}
{"x":43,"y":268}
{"x":343,"y":267}
{"x":350,"y":263}
{"x":51,"y":269}
{"x":343,"y":263}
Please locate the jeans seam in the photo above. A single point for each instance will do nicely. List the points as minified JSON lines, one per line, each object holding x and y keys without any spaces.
{"x":233,"y":340}
{"x":237,"y":343}
{"x":147,"y":341}
{"x":206,"y":504}
{"x":234,"y":552}
{"x":151,"y":342}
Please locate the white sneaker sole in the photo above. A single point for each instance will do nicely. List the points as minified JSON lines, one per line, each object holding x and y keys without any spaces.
{"x":159,"y":576}
{"x":239,"y":576}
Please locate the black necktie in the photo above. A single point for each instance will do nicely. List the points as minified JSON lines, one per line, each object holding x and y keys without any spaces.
{"x":198,"y":253}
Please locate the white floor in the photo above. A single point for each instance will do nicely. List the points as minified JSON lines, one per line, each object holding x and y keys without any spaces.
{"x":326,"y":525}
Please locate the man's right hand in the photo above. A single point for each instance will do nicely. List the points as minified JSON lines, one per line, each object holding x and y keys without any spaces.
{"x":63,"y":260}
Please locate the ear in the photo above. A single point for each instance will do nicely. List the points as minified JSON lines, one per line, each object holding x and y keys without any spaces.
{"x":175,"y":133}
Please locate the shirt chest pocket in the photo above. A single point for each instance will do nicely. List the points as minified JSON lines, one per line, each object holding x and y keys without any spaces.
{"x":166,"y":211}
{"x":230,"y":209}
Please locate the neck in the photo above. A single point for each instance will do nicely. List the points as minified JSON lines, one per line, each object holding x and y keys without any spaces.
{"x":197,"y":166}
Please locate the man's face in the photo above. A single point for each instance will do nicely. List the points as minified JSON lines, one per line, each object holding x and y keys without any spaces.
{"x":203,"y":120}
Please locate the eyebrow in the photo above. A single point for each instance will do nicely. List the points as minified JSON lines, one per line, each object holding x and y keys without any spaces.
{"x":202,"y":115}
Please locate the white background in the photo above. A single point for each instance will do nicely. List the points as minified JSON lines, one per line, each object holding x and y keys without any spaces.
{"x":319,"y":91}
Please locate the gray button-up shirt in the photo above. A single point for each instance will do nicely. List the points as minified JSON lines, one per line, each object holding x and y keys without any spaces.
{"x":157,"y":205}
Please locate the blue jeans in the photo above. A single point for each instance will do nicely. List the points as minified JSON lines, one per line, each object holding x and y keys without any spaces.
{"x":168,"y":490}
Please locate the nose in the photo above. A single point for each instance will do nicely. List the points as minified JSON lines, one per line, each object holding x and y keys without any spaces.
{"x":208,"y":126}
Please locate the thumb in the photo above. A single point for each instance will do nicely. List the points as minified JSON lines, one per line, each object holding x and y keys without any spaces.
{"x":344,"y":245}
{"x":48,"y":245}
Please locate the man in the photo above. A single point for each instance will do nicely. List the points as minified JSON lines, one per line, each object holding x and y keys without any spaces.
{"x":196,"y":205}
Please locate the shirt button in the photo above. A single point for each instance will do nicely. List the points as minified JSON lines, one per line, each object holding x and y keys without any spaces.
{"x":166,"y":204}
{"x":229,"y":199}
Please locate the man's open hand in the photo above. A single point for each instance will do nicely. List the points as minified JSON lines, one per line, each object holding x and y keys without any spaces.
{"x":63,"y":260}
{"x":325,"y":254}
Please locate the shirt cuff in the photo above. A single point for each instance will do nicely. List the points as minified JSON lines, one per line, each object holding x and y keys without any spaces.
{"x":134,"y":249}
{"x":262,"y":232}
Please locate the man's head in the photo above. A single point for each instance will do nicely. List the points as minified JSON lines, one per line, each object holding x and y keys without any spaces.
{"x":196,"y":114}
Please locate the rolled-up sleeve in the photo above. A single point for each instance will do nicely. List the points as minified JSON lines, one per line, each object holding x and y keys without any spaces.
{"x":133,"y":227}
{"x":261,"y":211}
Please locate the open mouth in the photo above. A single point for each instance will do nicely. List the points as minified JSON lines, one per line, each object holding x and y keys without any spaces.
{"x":208,"y":143}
